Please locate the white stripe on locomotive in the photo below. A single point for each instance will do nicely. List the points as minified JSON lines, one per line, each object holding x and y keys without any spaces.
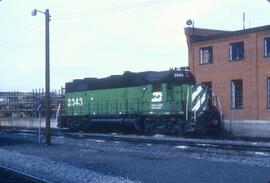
{"x":199,"y":98}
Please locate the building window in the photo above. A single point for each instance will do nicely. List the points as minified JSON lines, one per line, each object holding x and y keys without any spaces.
{"x":268,"y":92}
{"x":206,"y":55}
{"x":267,"y":47}
{"x":237,"y":51}
{"x":237,"y":94}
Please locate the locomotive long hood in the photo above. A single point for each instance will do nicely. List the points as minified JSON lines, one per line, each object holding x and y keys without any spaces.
{"x":132,"y":79}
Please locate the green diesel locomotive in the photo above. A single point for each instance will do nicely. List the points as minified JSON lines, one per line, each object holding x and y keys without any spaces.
{"x":166,"y":100}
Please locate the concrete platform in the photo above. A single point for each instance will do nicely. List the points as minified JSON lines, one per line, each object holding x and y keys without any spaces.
{"x":26,"y":122}
{"x":247,"y":128}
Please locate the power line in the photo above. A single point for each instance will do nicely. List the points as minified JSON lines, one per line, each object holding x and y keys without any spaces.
{"x":120,"y":7}
{"x":93,"y":12}
{"x":111,"y":9}
{"x":17,"y":35}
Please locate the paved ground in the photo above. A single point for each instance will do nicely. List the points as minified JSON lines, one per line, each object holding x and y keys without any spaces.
{"x":69,"y":160}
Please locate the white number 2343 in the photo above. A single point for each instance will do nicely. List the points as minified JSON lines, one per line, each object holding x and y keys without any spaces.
{"x":74,"y":102}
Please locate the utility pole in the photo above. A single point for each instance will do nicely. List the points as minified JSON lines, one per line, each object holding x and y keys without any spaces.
{"x":47,"y":73}
{"x":47,"y":76}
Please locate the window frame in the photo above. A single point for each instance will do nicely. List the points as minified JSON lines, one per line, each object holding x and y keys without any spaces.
{"x":231,"y":45}
{"x":265,"y":45}
{"x":237,"y":101}
{"x":268,"y":92}
{"x":156,"y":87}
{"x":210,"y":55}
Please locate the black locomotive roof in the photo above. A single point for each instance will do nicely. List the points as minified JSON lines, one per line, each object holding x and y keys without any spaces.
{"x":131,"y":79}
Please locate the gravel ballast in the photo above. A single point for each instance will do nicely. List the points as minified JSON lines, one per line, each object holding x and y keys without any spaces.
{"x":52,"y":170}
{"x":91,"y":160}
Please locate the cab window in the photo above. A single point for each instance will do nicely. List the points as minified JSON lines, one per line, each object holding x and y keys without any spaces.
{"x":156,"y":87}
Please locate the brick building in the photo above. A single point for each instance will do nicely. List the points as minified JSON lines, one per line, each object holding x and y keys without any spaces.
{"x":236,"y":65}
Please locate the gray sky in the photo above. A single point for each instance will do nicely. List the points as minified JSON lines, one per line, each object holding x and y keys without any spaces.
{"x":98,"y":38}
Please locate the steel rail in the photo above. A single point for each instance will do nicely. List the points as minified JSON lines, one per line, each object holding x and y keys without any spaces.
{"x":202,"y":143}
{"x":175,"y":142}
{"x":26,"y":177}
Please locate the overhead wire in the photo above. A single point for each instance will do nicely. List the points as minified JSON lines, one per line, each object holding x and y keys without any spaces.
{"x":109,"y":10}
{"x":19,"y":34}
{"x":93,"y":12}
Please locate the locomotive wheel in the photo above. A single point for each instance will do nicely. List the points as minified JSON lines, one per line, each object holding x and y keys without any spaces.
{"x":203,"y":123}
{"x":209,"y":123}
{"x":178,"y":127}
{"x":139,"y":124}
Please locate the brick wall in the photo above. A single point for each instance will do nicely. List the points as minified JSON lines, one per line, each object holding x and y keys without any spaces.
{"x":253,"y":70}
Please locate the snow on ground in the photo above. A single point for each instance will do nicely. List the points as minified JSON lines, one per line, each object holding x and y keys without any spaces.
{"x":181,"y":147}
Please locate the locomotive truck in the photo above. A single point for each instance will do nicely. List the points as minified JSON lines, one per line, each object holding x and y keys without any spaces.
{"x":170,"y":101}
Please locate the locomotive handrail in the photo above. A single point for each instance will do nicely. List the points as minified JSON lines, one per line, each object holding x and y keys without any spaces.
{"x":187,"y":104}
{"x":216,"y":103}
{"x":220,"y":109}
{"x":134,"y":106}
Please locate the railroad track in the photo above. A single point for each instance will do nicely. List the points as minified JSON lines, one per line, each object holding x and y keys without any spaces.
{"x":180,"y":141}
{"x":9,"y":175}
{"x":220,"y":144}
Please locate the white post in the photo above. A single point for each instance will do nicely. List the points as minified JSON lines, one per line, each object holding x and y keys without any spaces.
{"x":39,"y":126}
{"x":187,"y":103}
